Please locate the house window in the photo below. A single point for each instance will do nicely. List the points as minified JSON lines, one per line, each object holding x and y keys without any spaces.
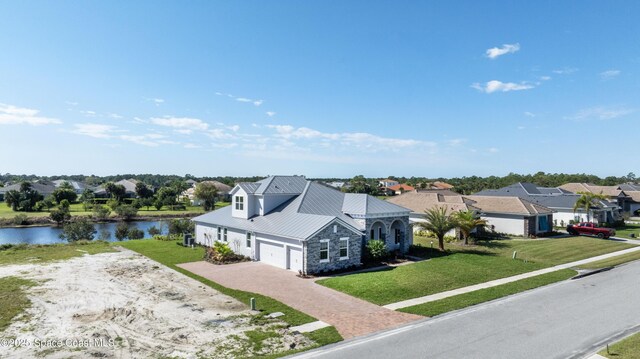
{"x":224,"y":237}
{"x":344,"y":248}
{"x":219,"y":233}
{"x":324,"y":250}
{"x":380,"y":233}
{"x":248,"y":239}
{"x":398,"y":234}
{"x":335,"y":228}
{"x":239,"y":203}
{"x":372,"y":234}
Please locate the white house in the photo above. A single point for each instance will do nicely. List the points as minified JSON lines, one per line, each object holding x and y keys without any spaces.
{"x":300,"y":225}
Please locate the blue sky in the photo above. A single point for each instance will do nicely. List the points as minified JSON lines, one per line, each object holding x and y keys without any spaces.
{"x":321,"y":88}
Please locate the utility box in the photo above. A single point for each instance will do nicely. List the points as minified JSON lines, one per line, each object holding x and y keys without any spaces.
{"x":188,"y":240}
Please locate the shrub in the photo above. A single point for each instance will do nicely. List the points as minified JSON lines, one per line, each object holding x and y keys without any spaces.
{"x":181,"y":226}
{"x":60,"y":215}
{"x":221,"y":253}
{"x":113,"y":204}
{"x":65,"y":204}
{"x":101,"y":212}
{"x":377,"y":249}
{"x":122,"y":231}
{"x":78,"y":230}
{"x":154,"y":231}
{"x":21,"y":219}
{"x":126,"y":211}
{"x":135,"y":233}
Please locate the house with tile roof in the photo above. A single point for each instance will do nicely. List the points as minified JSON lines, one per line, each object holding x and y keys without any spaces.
{"x":510,"y":215}
{"x":620,"y":195}
{"x":223,"y":192}
{"x":560,"y":200}
{"x":301,"y":225}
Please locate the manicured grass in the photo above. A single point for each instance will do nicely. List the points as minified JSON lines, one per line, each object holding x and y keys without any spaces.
{"x":628,"y":348}
{"x":170,"y":254}
{"x":462,"y":266}
{"x":22,"y":254}
{"x":612,"y":262}
{"x":13,"y":299}
{"x":627,"y":229}
{"x":484,"y":295}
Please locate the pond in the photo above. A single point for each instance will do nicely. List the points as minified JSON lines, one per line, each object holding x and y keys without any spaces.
{"x":50,"y":235}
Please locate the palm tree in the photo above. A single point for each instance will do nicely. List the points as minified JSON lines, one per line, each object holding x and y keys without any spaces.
{"x":467,"y":221}
{"x":439,"y":222}
{"x":586,"y":201}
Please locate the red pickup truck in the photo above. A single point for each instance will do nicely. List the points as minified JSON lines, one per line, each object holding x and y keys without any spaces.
{"x":590,"y":229}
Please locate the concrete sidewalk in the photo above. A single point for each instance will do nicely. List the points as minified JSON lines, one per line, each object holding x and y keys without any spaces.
{"x":493,"y":283}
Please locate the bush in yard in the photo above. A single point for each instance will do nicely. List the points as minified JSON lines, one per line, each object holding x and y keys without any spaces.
{"x":101,"y":212}
{"x":181,"y":226}
{"x":79,"y":230}
{"x":126,"y":211}
{"x":221,"y":253}
{"x":65,"y":204}
{"x":60,"y":215}
{"x":135,"y":233}
{"x":122,"y":231}
{"x":377,"y":249}
{"x":21,"y":219}
{"x":113,"y":204}
{"x":154,"y":231}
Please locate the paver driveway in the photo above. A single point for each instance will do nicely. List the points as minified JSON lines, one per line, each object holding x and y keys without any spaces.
{"x":351,"y":316}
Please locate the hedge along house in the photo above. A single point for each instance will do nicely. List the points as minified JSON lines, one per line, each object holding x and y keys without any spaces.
{"x":300,"y":225}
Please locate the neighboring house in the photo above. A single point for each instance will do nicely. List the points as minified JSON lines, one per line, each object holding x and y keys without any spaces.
{"x":441,"y":185}
{"x":559,"y":200}
{"x":615,"y":194}
{"x":223,"y":192}
{"x":336,"y":184}
{"x":129,"y":186}
{"x":78,"y":187}
{"x":397,"y":189}
{"x":387,"y":182}
{"x":300,"y":225}
{"x":510,"y":215}
{"x":44,"y":189}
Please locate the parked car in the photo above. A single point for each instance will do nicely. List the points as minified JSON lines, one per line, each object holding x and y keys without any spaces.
{"x":590,"y":229}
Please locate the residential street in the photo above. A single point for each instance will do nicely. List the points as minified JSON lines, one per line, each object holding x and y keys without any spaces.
{"x":570,"y":319}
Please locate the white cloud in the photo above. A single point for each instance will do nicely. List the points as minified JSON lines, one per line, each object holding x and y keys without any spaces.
{"x":13,"y":115}
{"x":244,"y":99}
{"x":565,"y":71}
{"x":88,"y":113}
{"x":498,"y":86}
{"x":609,"y":74}
{"x":140,"y":140}
{"x":601,"y":113}
{"x":71,"y":103}
{"x":456,"y":142}
{"x":183,"y":131}
{"x":270,"y":113}
{"x":545,"y":78}
{"x":493,"y":150}
{"x":218,"y":134}
{"x":115,"y":116}
{"x":233,"y":128}
{"x":521,"y":127}
{"x":529,"y":114}
{"x":258,"y":102}
{"x":155,"y":101}
{"x":180,"y":122}
{"x":95,"y":130}
{"x":495,"y":52}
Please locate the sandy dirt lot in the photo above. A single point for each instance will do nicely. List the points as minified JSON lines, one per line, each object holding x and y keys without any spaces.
{"x":124,"y":305}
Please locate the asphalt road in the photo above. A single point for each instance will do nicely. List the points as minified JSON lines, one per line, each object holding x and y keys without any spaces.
{"x":570,"y":319}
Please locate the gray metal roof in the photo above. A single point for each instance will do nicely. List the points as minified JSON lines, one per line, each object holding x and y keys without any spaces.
{"x":282,"y":185}
{"x":629,"y":187}
{"x":249,"y":187}
{"x":316,"y":206}
{"x":43,"y":189}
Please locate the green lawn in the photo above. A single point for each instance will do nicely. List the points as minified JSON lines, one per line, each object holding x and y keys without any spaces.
{"x":628,"y":348}
{"x":484,"y":295}
{"x":77,"y":209}
{"x":13,"y":299}
{"x":612,"y":262}
{"x":462,"y":266}
{"x":627,"y":229}
{"x":22,"y":254}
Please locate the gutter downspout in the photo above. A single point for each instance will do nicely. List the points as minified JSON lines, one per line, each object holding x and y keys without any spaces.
{"x":304,"y":262}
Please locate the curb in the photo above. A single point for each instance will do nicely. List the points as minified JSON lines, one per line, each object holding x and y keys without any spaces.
{"x":586,"y":274}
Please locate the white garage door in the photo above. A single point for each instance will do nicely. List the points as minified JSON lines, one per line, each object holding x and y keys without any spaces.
{"x":272,"y":253}
{"x":295,"y":259}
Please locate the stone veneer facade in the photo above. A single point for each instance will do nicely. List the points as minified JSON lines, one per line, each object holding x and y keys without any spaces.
{"x":311,"y":251}
{"x":405,"y":241}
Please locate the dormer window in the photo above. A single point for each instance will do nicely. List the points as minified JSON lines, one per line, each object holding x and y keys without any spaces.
{"x":239,"y":203}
